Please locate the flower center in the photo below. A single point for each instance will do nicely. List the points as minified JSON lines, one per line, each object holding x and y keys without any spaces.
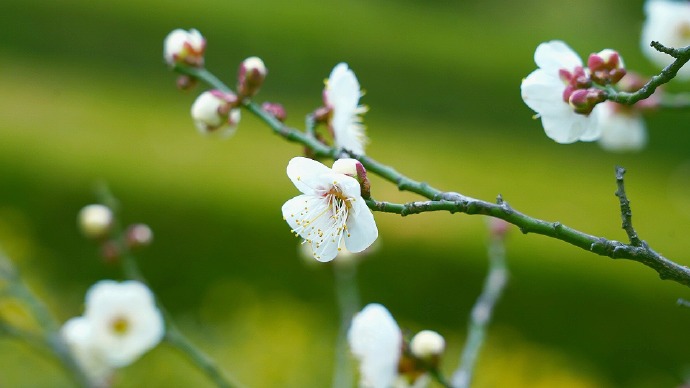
{"x":324,"y":219}
{"x":120,"y":325}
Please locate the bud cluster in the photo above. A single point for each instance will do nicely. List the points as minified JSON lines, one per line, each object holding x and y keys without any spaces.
{"x":97,"y":222}
{"x":581,"y":92}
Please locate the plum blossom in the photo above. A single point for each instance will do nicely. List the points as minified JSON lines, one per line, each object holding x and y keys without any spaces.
{"x":120,"y":323}
{"x":331,"y":211}
{"x":558,"y":87}
{"x":376,"y":340}
{"x":667,"y":22}
{"x":622,"y":128}
{"x":341,"y":96}
{"x":182,"y":46}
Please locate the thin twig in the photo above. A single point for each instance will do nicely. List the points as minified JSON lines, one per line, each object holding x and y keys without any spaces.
{"x":173,"y":335}
{"x":626,"y":213}
{"x":348,"y":302}
{"x":482,"y":311}
{"x":681,"y":55}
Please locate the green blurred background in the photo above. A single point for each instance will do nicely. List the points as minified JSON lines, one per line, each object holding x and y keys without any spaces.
{"x":85,"y":98}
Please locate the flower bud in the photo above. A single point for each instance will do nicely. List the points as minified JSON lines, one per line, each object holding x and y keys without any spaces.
{"x":138,"y":236}
{"x":186,"y":82}
{"x":250,"y":77}
{"x":214,"y":110}
{"x":184,"y":47}
{"x":95,"y":221}
{"x":276,"y":110}
{"x":583,"y":101}
{"x":606,"y":66}
{"x":427,"y":345}
{"x":355,"y":169}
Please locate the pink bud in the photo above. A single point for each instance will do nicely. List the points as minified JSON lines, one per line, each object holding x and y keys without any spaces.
{"x":583,"y":101}
{"x":250,"y":77}
{"x":606,"y":66}
{"x":138,"y":236}
{"x":355,"y":169}
{"x":276,"y":110}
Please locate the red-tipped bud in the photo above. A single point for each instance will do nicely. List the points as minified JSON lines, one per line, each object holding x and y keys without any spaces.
{"x":583,"y":101}
{"x":250,"y":77}
{"x":578,"y":79}
{"x":276,"y":110}
{"x":355,"y":169}
{"x":184,"y":47}
{"x":606,"y":66}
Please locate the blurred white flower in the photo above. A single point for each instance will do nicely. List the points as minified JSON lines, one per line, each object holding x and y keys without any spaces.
{"x":342,"y":96}
{"x":331,"y":210}
{"x":76,"y":333}
{"x":622,"y":128}
{"x":548,"y":89}
{"x":215,"y":112}
{"x":667,"y":22}
{"x":95,"y":221}
{"x":375,"y":339}
{"x":182,"y":46}
{"x":120,"y":323}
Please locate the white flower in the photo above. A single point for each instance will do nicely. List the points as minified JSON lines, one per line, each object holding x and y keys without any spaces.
{"x":342,"y":96}
{"x":76,"y":333}
{"x":543,"y":91}
{"x":182,"y":46}
{"x":667,"y":22}
{"x":375,"y":339}
{"x":330,"y":211}
{"x":95,"y":221}
{"x":120,"y":323}
{"x":622,"y":128}
{"x":212,"y":112}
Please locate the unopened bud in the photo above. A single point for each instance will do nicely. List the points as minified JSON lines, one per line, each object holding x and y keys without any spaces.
{"x":185,"y":47}
{"x":138,"y":236}
{"x":583,"y":101}
{"x":355,"y":169}
{"x":95,"y":221}
{"x":427,"y":344}
{"x":276,"y":110}
{"x":251,"y":76}
{"x":606,"y":66}
{"x":214,"y":110}
{"x":185,"y":82}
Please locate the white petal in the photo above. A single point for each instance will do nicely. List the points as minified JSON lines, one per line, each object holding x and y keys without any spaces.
{"x":343,"y":91}
{"x":361,"y":227}
{"x":543,"y":93}
{"x":556,"y":55}
{"x":310,"y":217}
{"x":565,"y":129}
{"x":621,"y":131}
{"x":307,"y":174}
{"x":375,"y":339}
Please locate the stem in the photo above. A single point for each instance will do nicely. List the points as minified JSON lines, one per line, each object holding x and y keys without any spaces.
{"x":172,"y":334}
{"x":50,"y":329}
{"x":682,"y":56}
{"x":348,"y":302}
{"x":481,"y":312}
{"x":454,"y":202}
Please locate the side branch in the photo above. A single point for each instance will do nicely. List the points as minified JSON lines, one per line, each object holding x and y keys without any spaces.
{"x":626,"y":213}
{"x":681,"y":55}
{"x":667,"y":269}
